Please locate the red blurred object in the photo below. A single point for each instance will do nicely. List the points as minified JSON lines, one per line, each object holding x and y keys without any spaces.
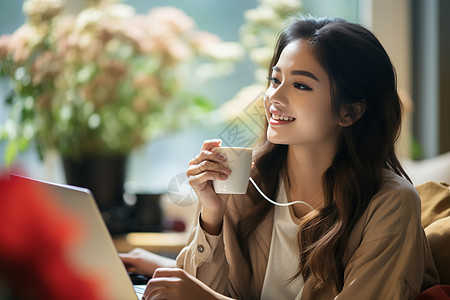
{"x":438,"y":292}
{"x":174,"y":224}
{"x":35,"y":234}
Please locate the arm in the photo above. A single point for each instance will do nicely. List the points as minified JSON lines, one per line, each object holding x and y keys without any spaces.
{"x":205,"y":259}
{"x":390,"y":262}
{"x":143,"y":262}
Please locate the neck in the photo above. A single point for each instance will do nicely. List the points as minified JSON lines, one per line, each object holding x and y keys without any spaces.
{"x":305,"y":169}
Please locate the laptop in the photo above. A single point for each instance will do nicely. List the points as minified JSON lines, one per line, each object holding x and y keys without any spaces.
{"x":94,"y":254}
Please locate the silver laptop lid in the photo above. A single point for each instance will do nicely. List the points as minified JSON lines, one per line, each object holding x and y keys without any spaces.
{"x":94,"y":254}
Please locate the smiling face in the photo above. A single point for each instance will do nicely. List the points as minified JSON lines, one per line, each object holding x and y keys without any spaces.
{"x":298,"y":101}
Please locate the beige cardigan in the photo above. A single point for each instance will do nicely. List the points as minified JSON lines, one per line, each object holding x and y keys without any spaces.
{"x":388,"y":255}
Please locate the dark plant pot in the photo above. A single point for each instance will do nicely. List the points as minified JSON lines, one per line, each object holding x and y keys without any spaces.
{"x":146,"y":214}
{"x":105,"y":177}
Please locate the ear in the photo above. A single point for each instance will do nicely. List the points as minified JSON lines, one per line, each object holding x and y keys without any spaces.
{"x":351,"y":113}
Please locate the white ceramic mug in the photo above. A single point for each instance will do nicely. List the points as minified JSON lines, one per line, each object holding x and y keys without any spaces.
{"x":239,"y":161}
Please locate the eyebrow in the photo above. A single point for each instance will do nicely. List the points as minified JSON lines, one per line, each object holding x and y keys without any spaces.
{"x":299,"y":72}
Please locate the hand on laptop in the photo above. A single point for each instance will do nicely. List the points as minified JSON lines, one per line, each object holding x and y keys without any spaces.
{"x":143,"y":262}
{"x":175,"y":284}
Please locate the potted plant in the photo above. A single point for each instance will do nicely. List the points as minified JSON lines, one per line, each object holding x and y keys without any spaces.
{"x":97,"y":83}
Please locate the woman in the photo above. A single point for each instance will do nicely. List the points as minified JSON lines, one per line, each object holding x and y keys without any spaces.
{"x":333,"y":116}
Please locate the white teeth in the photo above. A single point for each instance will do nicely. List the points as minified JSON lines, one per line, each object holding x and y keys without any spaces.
{"x":282,"y":118}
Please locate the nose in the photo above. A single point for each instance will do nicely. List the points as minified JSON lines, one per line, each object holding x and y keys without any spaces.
{"x":276,"y":96}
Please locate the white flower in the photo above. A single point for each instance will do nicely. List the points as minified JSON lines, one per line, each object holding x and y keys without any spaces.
{"x":261,"y":56}
{"x":261,"y":15}
{"x":172,"y":17}
{"x":121,"y":11}
{"x":283,"y":5}
{"x":88,"y":17}
{"x":224,"y":51}
{"x":207,"y":71}
{"x":39,"y":11}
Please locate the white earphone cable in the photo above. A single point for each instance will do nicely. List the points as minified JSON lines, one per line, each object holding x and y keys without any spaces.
{"x":273,"y":202}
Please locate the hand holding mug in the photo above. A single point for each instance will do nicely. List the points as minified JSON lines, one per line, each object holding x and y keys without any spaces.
{"x":207,"y":166}
{"x":218,"y":170}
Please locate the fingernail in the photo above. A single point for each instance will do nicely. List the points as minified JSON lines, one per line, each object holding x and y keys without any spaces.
{"x":223,"y":157}
{"x":228,"y":171}
{"x":223,"y":176}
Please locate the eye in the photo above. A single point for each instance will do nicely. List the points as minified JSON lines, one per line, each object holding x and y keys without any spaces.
{"x":273,"y":80}
{"x":301,"y":86}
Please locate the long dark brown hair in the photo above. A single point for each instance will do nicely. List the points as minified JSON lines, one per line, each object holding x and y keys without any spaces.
{"x":360,"y":71}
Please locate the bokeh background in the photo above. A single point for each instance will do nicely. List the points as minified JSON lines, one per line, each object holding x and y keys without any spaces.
{"x":415,"y":33}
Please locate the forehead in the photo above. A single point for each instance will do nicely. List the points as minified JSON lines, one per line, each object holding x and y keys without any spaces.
{"x":298,"y":55}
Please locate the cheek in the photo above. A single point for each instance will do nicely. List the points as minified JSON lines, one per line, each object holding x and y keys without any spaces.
{"x":317,"y":117}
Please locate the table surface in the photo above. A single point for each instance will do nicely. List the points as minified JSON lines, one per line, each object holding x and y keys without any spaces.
{"x":157,"y":242}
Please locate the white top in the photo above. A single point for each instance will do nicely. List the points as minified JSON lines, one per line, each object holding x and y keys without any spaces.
{"x":283,"y":259}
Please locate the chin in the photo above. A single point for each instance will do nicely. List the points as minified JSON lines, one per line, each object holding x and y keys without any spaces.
{"x":275,"y":139}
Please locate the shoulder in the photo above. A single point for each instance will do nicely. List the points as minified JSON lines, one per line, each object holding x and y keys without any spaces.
{"x":396,"y":192}
{"x":396,"y":183}
{"x":395,"y":208}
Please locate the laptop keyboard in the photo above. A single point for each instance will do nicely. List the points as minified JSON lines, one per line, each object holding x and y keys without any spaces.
{"x":139,"y":289}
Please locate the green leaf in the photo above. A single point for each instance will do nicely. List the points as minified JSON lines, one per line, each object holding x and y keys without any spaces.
{"x":11,"y":152}
{"x":23,"y":144}
{"x":204,"y":103}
